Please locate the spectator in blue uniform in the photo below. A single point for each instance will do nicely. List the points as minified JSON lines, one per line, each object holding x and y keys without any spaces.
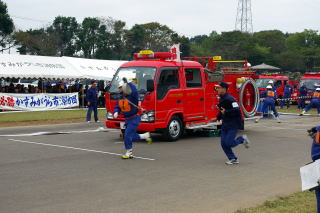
{"x":287,"y":91}
{"x":92,"y":101}
{"x":127,"y":105}
{"x":269,"y":100}
{"x":303,"y":92}
{"x":315,"y":102}
{"x":231,"y":118}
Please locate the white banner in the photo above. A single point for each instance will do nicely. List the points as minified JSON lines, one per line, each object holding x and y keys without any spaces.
{"x":38,"y":101}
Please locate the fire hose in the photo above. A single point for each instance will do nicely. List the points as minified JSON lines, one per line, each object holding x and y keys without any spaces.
{"x":249,"y":114}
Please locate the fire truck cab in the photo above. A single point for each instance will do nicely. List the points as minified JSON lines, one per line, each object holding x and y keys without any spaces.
{"x":279,"y":81}
{"x":310,"y":80}
{"x":178,"y":94}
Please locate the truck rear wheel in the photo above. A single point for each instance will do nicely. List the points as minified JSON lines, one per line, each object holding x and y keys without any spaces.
{"x":174,"y":129}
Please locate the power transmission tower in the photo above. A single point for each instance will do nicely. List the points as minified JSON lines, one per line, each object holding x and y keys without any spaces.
{"x":244,"y":16}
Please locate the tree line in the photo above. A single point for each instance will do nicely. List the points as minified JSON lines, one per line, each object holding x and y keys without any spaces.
{"x":107,"y":38}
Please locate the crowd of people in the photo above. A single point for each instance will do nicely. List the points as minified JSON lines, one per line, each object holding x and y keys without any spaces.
{"x":56,"y":87}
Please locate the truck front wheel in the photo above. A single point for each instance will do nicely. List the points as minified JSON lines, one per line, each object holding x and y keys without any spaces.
{"x":174,"y":129}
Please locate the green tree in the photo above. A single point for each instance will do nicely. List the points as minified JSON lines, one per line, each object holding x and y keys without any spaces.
{"x":36,"y":42}
{"x":6,"y":28}
{"x":135,"y":38}
{"x":118,"y":40}
{"x":65,"y":29}
{"x":87,"y":37}
{"x":273,"y":39}
{"x":158,"y":37}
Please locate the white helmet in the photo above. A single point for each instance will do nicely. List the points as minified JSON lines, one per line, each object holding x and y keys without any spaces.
{"x":270,"y":82}
{"x":126,"y":89}
{"x":318,"y":89}
{"x":269,"y":87}
{"x":121,"y":83}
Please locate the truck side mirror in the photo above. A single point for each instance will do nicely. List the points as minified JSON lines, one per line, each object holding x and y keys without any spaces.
{"x":150,"y":85}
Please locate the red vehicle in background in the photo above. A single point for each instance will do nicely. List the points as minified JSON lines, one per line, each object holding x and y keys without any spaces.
{"x":279,"y":81}
{"x":310,"y":79}
{"x":180,"y":94}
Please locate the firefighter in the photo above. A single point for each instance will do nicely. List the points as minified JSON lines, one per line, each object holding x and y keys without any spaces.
{"x":127,"y":105}
{"x":287,"y":91}
{"x":269,"y":97}
{"x":92,"y":99}
{"x":303,"y":91}
{"x":230,"y":115}
{"x":314,"y":133}
{"x":315,"y":102}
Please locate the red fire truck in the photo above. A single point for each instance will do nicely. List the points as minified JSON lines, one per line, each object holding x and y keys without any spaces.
{"x":310,"y":79}
{"x":279,"y":81}
{"x":180,"y":94}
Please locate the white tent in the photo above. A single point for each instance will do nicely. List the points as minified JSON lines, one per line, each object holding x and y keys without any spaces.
{"x":47,"y":67}
{"x":27,"y":66}
{"x":95,"y":68}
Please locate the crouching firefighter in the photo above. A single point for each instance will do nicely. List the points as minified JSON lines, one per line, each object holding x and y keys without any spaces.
{"x":127,"y":105}
{"x":315,"y":102}
{"x":269,"y":100}
{"x":231,"y":117}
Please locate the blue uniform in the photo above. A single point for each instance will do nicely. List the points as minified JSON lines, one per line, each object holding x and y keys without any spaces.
{"x":231,"y":123}
{"x":269,"y":101}
{"x":303,"y":91}
{"x":130,"y":113}
{"x":266,"y":110}
{"x":315,"y":102}
{"x":315,"y":155}
{"x":286,"y":94}
{"x":92,"y":97}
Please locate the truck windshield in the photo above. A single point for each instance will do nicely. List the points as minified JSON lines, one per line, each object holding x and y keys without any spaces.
{"x":310,"y":83}
{"x":139,"y":75}
{"x":262,"y":82}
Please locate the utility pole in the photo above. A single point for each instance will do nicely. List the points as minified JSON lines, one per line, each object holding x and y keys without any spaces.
{"x":244,"y":17}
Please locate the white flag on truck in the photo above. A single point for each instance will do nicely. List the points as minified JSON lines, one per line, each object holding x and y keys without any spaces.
{"x":175,"y":49}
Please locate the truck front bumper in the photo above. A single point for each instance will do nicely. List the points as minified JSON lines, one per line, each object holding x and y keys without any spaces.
{"x":143,"y":127}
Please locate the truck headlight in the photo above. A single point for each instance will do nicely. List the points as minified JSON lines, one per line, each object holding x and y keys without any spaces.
{"x":109,"y":116}
{"x":148,"y":116}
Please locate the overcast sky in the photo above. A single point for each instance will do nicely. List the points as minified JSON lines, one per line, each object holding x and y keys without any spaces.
{"x":186,"y":17}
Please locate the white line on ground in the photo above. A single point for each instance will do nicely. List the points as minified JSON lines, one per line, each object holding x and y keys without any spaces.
{"x":100,"y":129}
{"x":75,"y":148}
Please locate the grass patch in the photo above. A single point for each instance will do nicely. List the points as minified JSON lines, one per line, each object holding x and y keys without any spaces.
{"x":294,"y":109}
{"x":49,"y":115}
{"x":301,"y":202}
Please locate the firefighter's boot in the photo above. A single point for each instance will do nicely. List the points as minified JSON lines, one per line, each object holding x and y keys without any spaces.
{"x":128,"y":154}
{"x":146,"y":136}
{"x":278,"y":119}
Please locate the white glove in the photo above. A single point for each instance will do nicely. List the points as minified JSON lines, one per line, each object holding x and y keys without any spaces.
{"x":116,"y":114}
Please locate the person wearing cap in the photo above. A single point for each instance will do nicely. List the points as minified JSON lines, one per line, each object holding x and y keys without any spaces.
{"x":231,"y":118}
{"x":287,"y":91}
{"x":127,"y":105}
{"x":269,"y":100}
{"x":303,"y":92}
{"x":315,"y":102}
{"x":92,"y":102}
